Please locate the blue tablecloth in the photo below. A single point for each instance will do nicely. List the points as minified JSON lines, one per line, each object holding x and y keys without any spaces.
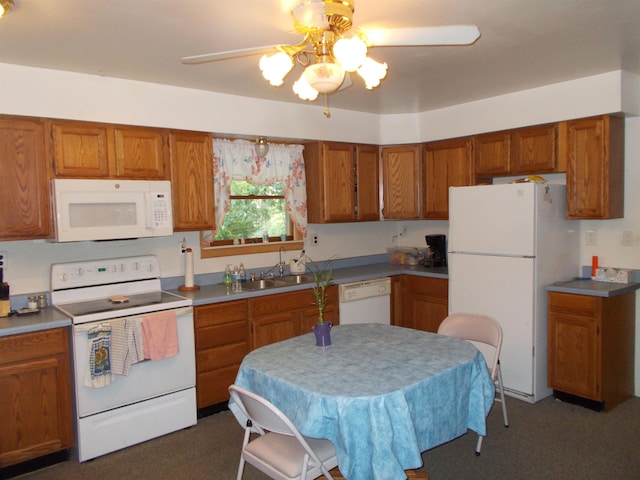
{"x":382,"y":394}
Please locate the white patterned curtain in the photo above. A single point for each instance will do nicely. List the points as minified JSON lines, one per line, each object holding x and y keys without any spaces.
{"x":237,"y":160}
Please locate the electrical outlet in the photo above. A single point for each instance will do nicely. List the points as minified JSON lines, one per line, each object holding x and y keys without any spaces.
{"x":590,"y":238}
{"x":403,"y":231}
{"x":627,"y":238}
{"x":314,"y":240}
{"x":3,"y":260}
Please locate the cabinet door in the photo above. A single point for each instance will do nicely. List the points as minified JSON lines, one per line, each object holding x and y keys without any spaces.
{"x":574,"y":355}
{"x":534,"y":149}
{"x":338,"y":180}
{"x":401,"y":181}
{"x":81,"y":150}
{"x":141,"y":153}
{"x":35,"y":394}
{"x":595,"y":168}
{"x":192,"y":180}
{"x":492,"y":153}
{"x":273,"y":328}
{"x":447,"y":164}
{"x":367,"y":183}
{"x":425,"y":303}
{"x":25,"y":211}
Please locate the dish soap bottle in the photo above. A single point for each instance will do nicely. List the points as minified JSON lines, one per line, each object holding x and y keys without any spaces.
{"x":242,"y":274}
{"x":227,"y":279}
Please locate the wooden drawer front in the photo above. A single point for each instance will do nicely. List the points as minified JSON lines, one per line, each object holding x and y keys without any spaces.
{"x":219,"y":313}
{"x":430,"y":287}
{"x":212,"y":387}
{"x":286,"y":302}
{"x":32,"y":345}
{"x":222,"y":356}
{"x":221,"y":335}
{"x":583,"y":305}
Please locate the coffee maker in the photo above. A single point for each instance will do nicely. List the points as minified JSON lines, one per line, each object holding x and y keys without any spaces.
{"x":437,"y":256}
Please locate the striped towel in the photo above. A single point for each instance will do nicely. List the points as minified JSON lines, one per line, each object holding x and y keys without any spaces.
{"x":99,"y":372}
{"x":126,"y":345}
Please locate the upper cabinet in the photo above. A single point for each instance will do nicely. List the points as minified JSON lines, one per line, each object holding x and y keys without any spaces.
{"x":447,"y":163}
{"x":25,"y":209}
{"x":595,"y":167}
{"x":516,"y":152}
{"x":93,"y":150}
{"x":401,"y":181}
{"x":342,"y":182}
{"x":192,"y":180}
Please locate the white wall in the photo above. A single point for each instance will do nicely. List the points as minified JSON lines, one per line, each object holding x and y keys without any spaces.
{"x":48,"y":93}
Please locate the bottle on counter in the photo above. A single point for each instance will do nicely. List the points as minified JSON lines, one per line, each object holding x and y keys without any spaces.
{"x":227,"y":279}
{"x":242,"y":273}
{"x":42,"y":301}
{"x":32,"y":302}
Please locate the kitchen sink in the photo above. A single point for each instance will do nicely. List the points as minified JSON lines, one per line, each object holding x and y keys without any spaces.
{"x":264,"y":284}
{"x":297,"y":279}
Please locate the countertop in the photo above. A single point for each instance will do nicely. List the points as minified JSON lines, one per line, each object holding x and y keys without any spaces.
{"x":586,"y":286}
{"x":218,"y":293}
{"x":52,"y":318}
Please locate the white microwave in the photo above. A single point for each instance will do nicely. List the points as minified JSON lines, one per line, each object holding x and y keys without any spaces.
{"x":111,"y":209}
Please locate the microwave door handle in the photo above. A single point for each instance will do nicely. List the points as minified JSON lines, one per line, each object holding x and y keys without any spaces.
{"x":148,"y":210}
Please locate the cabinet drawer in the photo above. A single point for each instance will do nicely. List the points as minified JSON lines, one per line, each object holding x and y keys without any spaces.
{"x":222,"y":356}
{"x":220,"y":313}
{"x":583,"y":305}
{"x":33,"y":345}
{"x":217,"y":335}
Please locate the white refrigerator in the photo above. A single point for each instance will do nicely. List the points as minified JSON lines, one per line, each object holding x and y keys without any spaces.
{"x":506,"y":244}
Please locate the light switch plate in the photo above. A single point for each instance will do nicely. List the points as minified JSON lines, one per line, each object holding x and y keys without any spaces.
{"x":627,"y":238}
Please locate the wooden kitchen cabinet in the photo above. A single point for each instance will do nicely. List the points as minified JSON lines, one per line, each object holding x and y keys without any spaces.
{"x":35,"y":394}
{"x":342,"y":182}
{"x":95,"y":150}
{"x":520,"y":151}
{"x":401,"y":181}
{"x":425,"y":302}
{"x":192,"y":180}
{"x":25,"y":208}
{"x":285,"y":315}
{"x":397,"y":285}
{"x":447,"y":163}
{"x":222,"y":340}
{"x":591,"y":348}
{"x":595,"y":167}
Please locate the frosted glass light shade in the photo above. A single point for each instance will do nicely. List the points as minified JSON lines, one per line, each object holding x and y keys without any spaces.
{"x":350,"y":53}
{"x":305,"y":91}
{"x":324,"y":77}
{"x":372,"y":72}
{"x":275,"y":67}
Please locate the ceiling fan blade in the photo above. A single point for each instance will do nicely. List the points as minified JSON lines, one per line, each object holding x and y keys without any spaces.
{"x":214,"y":57}
{"x":423,"y":36}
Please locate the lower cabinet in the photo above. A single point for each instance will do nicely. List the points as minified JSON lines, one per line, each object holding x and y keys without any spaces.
{"x":591,"y":348}
{"x":425,"y":302}
{"x":35,"y":395}
{"x":285,"y":315}
{"x":222,"y":341}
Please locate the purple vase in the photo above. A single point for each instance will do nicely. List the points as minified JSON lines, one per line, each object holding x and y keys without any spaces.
{"x":322,"y":332}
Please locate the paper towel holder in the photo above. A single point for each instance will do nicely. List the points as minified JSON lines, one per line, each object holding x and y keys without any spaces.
{"x":188,"y":273}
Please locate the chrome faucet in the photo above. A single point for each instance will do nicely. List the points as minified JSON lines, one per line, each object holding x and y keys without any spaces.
{"x":280,"y":265}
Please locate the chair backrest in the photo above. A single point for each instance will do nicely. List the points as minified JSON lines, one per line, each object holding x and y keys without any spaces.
{"x":475,"y":328}
{"x":261,"y":412}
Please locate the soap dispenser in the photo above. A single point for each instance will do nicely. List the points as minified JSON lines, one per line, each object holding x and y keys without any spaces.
{"x":227,"y":279}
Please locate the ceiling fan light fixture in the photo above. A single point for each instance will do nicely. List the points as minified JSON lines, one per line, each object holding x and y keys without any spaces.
{"x":5,"y":6}
{"x":372,"y":72}
{"x":275,"y":67}
{"x":324,"y":77}
{"x":304,"y":91}
{"x":261,"y":147}
{"x":350,"y":53}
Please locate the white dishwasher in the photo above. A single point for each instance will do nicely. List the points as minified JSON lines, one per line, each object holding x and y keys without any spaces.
{"x":368,"y":301}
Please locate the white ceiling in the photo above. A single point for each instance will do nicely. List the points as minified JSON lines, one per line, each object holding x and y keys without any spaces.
{"x":523,"y":44}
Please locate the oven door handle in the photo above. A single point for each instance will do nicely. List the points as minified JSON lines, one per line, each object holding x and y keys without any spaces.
{"x":85,"y":327}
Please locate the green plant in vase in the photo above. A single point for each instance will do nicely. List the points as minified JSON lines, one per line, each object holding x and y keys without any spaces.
{"x":322,"y":277}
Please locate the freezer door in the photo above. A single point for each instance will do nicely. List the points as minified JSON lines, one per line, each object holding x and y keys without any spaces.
{"x":493,"y":219}
{"x":502,"y":288}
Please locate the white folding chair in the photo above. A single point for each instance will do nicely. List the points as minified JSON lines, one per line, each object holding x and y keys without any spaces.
{"x":488,"y":333}
{"x":280,"y":451}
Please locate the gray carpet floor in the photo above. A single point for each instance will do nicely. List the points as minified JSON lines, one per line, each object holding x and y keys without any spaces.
{"x":548,"y":440}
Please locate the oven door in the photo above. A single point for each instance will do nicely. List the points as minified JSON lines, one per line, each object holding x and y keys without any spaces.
{"x":146,"y":380}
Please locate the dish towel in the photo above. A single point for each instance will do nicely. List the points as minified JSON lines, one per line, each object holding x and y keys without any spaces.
{"x":160,"y":336}
{"x":99,"y":372}
{"x":126,"y":345}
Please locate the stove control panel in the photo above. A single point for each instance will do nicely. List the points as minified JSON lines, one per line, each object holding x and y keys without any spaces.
{"x":101,"y":272}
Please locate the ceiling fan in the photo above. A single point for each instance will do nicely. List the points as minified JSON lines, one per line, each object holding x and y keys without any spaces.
{"x":330,"y":50}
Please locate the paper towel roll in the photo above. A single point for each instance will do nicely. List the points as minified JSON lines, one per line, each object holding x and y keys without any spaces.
{"x":188,"y":268}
